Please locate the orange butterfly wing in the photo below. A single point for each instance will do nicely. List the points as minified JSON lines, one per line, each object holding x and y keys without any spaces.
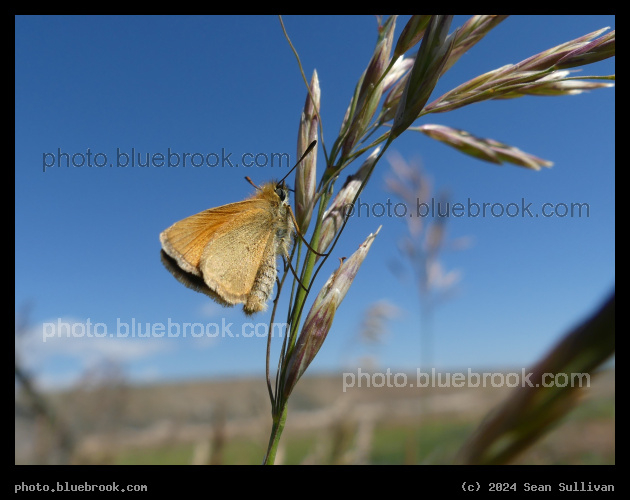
{"x":223,"y":245}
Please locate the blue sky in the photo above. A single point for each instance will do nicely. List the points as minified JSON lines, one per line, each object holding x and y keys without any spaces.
{"x":86,"y":239}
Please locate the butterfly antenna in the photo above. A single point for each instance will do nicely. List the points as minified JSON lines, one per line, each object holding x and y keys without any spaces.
{"x":308,"y":150}
{"x":252,"y":183}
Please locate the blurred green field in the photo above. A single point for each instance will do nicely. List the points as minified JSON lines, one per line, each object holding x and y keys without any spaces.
{"x":433,"y":443}
{"x":227,"y":422}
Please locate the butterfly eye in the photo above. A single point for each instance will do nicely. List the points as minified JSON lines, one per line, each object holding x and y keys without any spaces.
{"x":281,"y":193}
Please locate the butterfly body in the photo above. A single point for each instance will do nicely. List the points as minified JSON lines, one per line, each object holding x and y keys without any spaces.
{"x":229,"y":252}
